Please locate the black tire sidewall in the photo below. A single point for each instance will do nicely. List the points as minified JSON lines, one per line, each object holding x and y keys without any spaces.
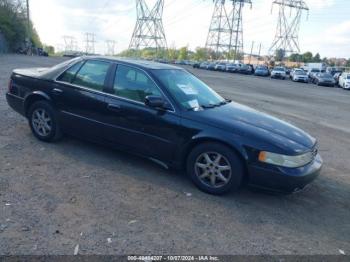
{"x":51,"y":112}
{"x":229,"y":154}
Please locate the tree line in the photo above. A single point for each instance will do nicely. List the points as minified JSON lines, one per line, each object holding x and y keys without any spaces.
{"x":14,"y":26}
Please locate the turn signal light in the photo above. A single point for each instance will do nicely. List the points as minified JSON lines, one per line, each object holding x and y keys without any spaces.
{"x":262,"y":156}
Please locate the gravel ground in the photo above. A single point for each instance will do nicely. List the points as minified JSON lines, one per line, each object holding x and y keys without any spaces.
{"x":54,"y":197}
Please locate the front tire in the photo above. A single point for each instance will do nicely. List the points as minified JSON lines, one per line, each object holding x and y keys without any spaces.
{"x":215,"y":168}
{"x":43,"y":122}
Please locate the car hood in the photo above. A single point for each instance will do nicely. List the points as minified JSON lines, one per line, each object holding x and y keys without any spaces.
{"x":243,"y":120}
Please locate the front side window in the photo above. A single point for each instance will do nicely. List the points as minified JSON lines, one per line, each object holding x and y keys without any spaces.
{"x":187,"y":90}
{"x":92,"y":75}
{"x":69,"y":74}
{"x":133,"y":84}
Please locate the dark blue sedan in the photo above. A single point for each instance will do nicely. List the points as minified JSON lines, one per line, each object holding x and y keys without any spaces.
{"x":166,"y":114}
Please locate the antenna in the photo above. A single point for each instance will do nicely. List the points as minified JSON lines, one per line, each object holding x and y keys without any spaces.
{"x":149,"y":31}
{"x":288,"y":25}
{"x":225,"y":35}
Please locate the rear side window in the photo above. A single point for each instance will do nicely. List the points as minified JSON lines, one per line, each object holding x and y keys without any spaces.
{"x":133,"y":84}
{"x":92,"y":75}
{"x":68,"y":75}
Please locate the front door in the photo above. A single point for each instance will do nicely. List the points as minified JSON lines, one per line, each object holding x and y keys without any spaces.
{"x":134,"y":125}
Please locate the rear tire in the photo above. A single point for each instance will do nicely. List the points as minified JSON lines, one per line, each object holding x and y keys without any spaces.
{"x":215,"y":168}
{"x":43,"y":122}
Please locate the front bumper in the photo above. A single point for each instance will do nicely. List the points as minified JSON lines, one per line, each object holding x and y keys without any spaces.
{"x":326,"y":83}
{"x":283,"y":179}
{"x":305,"y":80}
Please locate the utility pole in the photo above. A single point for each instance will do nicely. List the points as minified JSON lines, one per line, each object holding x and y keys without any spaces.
{"x":28,"y":19}
{"x":259,"y":58}
{"x":149,"y":30}
{"x":251,"y":52}
{"x":288,"y":25}
{"x":226,"y":28}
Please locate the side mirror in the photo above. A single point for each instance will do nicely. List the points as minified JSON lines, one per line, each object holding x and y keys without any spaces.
{"x":155,"y":102}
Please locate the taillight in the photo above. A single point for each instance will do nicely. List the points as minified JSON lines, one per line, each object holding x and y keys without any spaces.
{"x":10,"y":85}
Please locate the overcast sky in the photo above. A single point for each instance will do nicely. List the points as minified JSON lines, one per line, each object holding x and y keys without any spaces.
{"x":326,"y":30}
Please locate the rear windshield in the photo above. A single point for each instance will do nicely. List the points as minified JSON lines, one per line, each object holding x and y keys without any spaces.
{"x":279,"y":69}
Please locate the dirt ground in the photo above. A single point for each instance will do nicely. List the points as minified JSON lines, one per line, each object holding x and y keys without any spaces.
{"x":55,"y":198}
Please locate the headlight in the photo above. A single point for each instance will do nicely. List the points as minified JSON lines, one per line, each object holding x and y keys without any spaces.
{"x":285,"y":160}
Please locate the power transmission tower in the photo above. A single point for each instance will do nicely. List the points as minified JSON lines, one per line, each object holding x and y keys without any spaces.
{"x":90,"y":43}
{"x":149,"y":31}
{"x":69,"y":43}
{"x":110,"y":47}
{"x":226,"y":28}
{"x":288,"y":25}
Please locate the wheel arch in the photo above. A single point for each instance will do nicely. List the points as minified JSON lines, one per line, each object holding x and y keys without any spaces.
{"x":32,"y":98}
{"x":239,"y":150}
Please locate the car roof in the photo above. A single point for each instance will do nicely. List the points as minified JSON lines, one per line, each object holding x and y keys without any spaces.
{"x":145,"y":64}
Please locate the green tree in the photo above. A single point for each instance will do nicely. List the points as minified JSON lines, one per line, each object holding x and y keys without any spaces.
{"x":183,"y":53}
{"x":348,"y":63}
{"x":307,"y":57}
{"x":201,"y":54}
{"x":49,"y":49}
{"x":13,"y":24}
{"x":172,"y":53}
{"x":317,"y":58}
{"x":280,"y":54}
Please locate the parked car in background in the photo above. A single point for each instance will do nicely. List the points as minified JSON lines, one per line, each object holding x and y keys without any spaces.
{"x":233,"y":68}
{"x":169,"y":116}
{"x":344,"y":80}
{"x":246,"y":69}
{"x":211,"y":66}
{"x":220,"y":66}
{"x":195,"y":64}
{"x":334,"y":70}
{"x":312,"y":72}
{"x":324,"y":79}
{"x":262,"y":70}
{"x":203,"y":65}
{"x":300,"y":76}
{"x":336,"y":78}
{"x":293,"y":71}
{"x":279,"y":72}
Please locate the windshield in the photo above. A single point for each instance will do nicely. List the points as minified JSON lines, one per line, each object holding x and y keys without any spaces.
{"x":300,"y":72}
{"x":190,"y":92}
{"x":315,"y":70}
{"x":326,"y":75}
{"x":261,"y":68}
{"x":278,"y":69}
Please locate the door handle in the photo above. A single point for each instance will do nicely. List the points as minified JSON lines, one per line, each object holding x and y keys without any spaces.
{"x":57,"y":91}
{"x":114,"y":107}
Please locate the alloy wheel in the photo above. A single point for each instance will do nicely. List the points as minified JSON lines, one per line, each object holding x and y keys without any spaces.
{"x":41,"y":122}
{"x":213,"y":169}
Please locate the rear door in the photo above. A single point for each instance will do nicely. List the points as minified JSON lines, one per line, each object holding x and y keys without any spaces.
{"x":78,"y":93}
